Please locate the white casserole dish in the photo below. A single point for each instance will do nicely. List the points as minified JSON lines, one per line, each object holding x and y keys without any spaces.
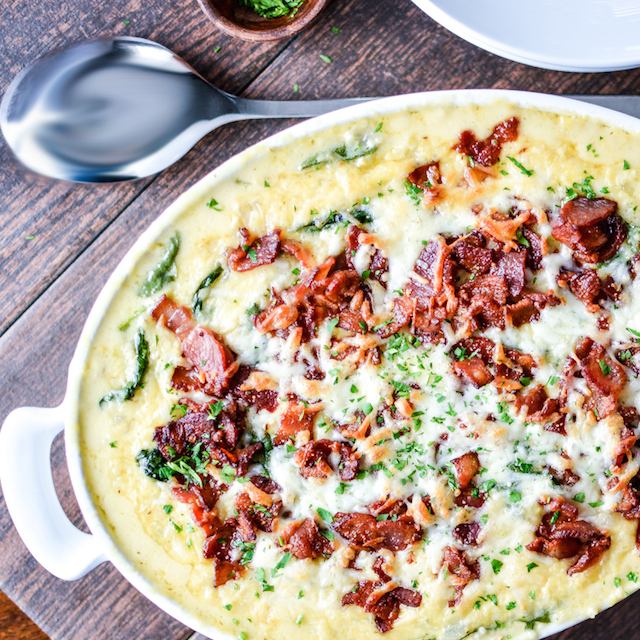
{"x":27,"y":433}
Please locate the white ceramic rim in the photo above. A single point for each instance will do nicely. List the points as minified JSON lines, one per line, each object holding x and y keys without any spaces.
{"x":201,"y":190}
{"x":466,"y":31}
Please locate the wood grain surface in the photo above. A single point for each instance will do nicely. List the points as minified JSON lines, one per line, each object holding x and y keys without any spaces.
{"x":81,"y":232}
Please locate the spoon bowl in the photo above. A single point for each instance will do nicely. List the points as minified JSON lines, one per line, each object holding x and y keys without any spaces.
{"x":109,"y":110}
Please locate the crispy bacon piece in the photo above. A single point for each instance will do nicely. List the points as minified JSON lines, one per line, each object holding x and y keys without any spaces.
{"x":561,"y":535}
{"x":404,"y":309}
{"x":221,"y":547}
{"x":630,"y":357}
{"x":239,"y":460}
{"x":364,"y":532}
{"x":629,"y":505}
{"x":305,"y":540}
{"x":474,"y":371}
{"x":255,"y":397}
{"x":314,"y":459}
{"x":605,"y":377}
{"x":511,"y":267}
{"x":471,"y":253}
{"x":378,"y":266}
{"x":487,"y":152}
{"x":224,"y":430}
{"x":587,"y":287}
{"x":493,"y":287}
{"x":253,"y":516}
{"x":536,"y":250}
{"x":432,"y":293}
{"x":467,"y":533}
{"x":540,"y":408}
{"x":295,"y":419}
{"x":202,"y":500}
{"x":252,"y":254}
{"x":265,"y":484}
{"x":382,"y":598}
{"x":210,"y":358}
{"x":467,"y":466}
{"x":474,"y":357}
{"x":592,"y":228}
{"x":427,"y":176}
{"x":565,"y":478}
{"x":324,"y":292}
{"x":460,"y":571}
{"x":528,"y":307}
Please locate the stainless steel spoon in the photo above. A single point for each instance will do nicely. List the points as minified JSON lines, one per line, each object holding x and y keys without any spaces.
{"x":125,"y":108}
{"x":120,"y":109}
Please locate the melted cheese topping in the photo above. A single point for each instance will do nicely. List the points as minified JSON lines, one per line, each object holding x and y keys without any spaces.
{"x":516,"y":586}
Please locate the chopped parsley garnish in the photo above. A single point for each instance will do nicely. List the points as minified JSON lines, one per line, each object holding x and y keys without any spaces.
{"x":324,"y":514}
{"x":524,"y":170}
{"x":272,"y":8}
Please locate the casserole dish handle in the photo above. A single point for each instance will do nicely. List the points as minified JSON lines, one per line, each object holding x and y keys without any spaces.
{"x":27,"y":484}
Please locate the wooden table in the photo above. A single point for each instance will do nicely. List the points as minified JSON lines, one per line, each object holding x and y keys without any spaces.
{"x":60,"y":241}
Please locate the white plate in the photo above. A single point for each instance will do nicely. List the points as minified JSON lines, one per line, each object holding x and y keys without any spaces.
{"x":565,"y":35}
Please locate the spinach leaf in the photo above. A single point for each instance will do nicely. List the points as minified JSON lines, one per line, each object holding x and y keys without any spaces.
{"x":198,"y":296}
{"x":164,"y":271}
{"x":190,"y":465}
{"x":332,"y":219}
{"x":362,"y":216}
{"x":154,"y":465}
{"x":530,"y":624}
{"x":142,"y":364}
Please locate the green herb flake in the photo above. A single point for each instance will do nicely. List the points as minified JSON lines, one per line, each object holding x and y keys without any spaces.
{"x":325,"y":58}
{"x":167,"y":508}
{"x":511,"y":605}
{"x":324,"y":514}
{"x":496,"y":565}
{"x":299,"y":619}
{"x":282,"y":563}
{"x":605,"y":368}
{"x":626,"y":166}
{"x":530,"y":566}
{"x":579,"y":497}
{"x":524,"y":170}
{"x":296,"y":88}
{"x":273,"y":8}
{"x":113,"y":444}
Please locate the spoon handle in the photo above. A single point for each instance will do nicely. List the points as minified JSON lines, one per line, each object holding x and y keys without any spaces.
{"x":291,"y":109}
{"x":308,"y":108}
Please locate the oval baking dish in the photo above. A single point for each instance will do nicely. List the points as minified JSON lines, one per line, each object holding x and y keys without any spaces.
{"x":393,"y":187}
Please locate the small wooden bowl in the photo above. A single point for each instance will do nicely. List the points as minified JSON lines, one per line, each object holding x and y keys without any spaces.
{"x":242,"y":22}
